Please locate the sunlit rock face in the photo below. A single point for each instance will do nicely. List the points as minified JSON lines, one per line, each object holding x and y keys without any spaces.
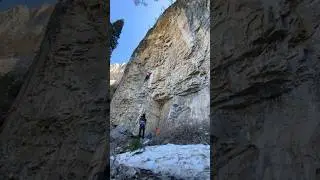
{"x":116,"y":71}
{"x":176,"y":52}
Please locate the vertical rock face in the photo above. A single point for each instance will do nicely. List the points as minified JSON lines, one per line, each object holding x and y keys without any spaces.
{"x":176,"y":52}
{"x":57,"y":122}
{"x":116,"y":72}
{"x":21,"y":32}
{"x":265,"y":96}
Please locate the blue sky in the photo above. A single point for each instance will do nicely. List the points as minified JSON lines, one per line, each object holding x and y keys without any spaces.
{"x":137,"y":21}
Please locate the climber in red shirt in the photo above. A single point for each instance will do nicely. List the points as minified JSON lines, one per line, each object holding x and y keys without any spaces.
{"x":157,"y":131}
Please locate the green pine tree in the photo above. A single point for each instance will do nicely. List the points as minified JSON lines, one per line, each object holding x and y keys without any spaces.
{"x":116,"y":29}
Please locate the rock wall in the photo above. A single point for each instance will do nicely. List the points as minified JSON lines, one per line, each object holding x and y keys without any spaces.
{"x":176,"y":51}
{"x":21,"y":32}
{"x":56,"y":127}
{"x":116,"y":72}
{"x":265,"y":89}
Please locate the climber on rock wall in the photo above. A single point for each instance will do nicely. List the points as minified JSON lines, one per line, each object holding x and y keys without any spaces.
{"x":147,"y":76}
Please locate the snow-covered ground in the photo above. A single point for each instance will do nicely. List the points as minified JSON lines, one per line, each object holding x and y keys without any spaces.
{"x":181,"y":161}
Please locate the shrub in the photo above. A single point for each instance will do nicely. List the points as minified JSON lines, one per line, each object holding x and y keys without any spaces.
{"x":135,"y":144}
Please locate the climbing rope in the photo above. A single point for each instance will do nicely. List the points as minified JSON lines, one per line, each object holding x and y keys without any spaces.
{"x":144,"y":107}
{"x":145,"y":104}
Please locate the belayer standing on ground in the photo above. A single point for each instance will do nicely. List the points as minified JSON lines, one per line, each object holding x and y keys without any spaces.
{"x":142,"y":127}
{"x":147,"y":76}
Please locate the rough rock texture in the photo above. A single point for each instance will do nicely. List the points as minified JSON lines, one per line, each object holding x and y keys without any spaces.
{"x":265,"y":92}
{"x":21,"y":32}
{"x":116,"y":72}
{"x":122,"y":172}
{"x":56,"y":127}
{"x":176,"y":51}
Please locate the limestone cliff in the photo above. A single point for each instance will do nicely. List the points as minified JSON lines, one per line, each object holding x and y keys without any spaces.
{"x":56,"y":127}
{"x":176,"y":52}
{"x":116,"y":72}
{"x":265,"y":92}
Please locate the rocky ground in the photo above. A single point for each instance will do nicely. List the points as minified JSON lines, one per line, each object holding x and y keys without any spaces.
{"x":122,"y":172}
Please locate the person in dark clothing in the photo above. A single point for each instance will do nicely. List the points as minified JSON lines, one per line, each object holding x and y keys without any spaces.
{"x":142,"y":127}
{"x":148,"y":76}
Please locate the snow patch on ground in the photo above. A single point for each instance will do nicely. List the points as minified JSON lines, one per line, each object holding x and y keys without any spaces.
{"x":181,"y":161}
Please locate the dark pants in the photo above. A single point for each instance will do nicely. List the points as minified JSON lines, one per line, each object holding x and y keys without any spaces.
{"x":147,"y":77}
{"x":141,"y":129}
